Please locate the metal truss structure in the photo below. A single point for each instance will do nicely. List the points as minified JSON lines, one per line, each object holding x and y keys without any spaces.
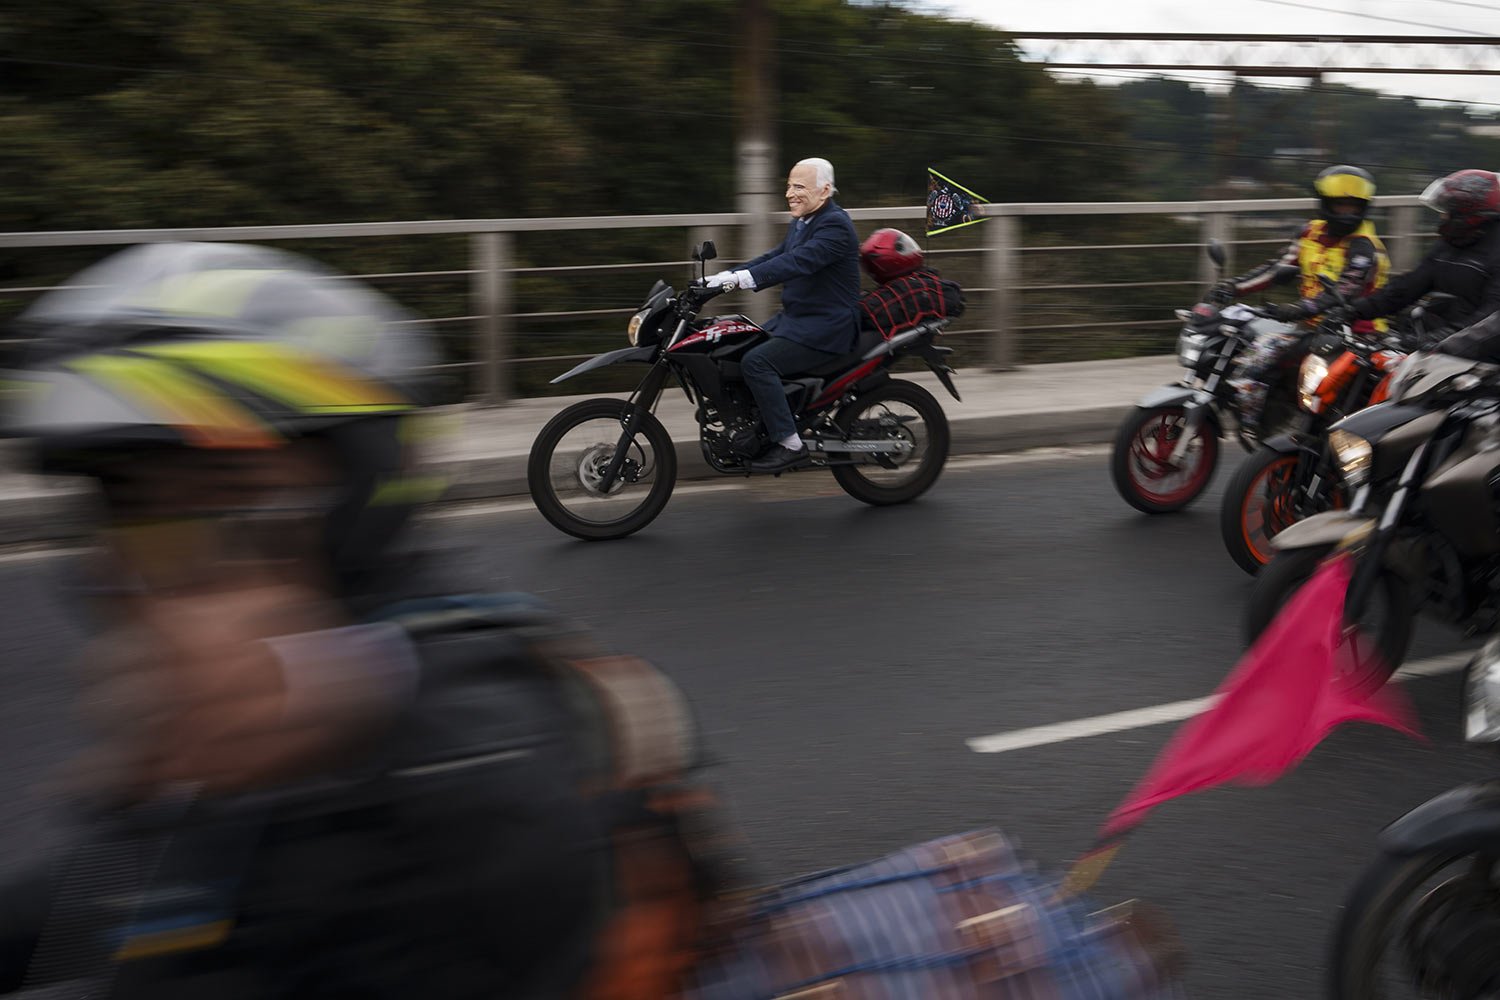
{"x":1265,"y":55}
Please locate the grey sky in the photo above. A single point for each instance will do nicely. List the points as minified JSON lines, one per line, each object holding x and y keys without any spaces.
{"x":1369,"y":17}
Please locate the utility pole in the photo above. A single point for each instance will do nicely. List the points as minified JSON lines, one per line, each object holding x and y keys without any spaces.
{"x":756,"y":176}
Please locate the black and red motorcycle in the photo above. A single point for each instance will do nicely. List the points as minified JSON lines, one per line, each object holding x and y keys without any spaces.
{"x":604,"y":468}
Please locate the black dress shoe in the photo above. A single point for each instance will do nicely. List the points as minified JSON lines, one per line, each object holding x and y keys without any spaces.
{"x":779,"y":459}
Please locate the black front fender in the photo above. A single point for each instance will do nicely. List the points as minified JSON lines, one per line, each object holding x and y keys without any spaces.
{"x":1284,"y":444}
{"x":1459,"y":819}
{"x":641,"y":354}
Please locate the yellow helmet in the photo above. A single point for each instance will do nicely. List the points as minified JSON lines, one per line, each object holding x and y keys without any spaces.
{"x":1344,"y":182}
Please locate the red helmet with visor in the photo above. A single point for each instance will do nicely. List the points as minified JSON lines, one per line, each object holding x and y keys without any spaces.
{"x":890,"y":254}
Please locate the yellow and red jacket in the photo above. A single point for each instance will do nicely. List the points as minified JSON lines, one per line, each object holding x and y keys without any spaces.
{"x":1357,"y":263}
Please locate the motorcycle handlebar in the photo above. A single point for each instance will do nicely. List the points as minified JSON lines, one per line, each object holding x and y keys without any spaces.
{"x":697,"y":293}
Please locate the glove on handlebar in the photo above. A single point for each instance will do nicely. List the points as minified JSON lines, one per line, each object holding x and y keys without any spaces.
{"x":1291,"y":312}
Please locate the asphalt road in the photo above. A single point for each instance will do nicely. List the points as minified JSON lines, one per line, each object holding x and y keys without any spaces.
{"x":841,"y":657}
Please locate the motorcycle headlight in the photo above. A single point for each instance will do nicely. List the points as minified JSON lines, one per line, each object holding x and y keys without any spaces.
{"x":633,"y":328}
{"x":1353,"y":453}
{"x":1189,"y":348}
{"x":1482,"y":696}
{"x":1314,"y":371}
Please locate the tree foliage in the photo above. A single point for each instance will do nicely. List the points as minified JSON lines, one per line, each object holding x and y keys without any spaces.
{"x":129,"y":113}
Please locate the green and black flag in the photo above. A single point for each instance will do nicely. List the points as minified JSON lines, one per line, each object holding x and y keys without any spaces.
{"x":950,"y":205}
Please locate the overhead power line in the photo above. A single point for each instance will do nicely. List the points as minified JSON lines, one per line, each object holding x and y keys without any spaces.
{"x":1308,"y":88}
{"x":1465,"y":3}
{"x":1374,"y":17}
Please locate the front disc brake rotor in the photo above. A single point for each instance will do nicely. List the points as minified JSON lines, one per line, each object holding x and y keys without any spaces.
{"x":594,"y":462}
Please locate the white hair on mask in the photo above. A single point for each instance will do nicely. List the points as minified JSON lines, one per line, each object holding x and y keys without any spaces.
{"x":823,"y":171}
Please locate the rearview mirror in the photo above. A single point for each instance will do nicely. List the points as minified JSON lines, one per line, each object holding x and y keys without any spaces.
{"x":1216,"y":252}
{"x":705,"y":251}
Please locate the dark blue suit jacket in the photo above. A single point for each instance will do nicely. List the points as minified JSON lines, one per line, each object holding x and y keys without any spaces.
{"x":818,"y":266}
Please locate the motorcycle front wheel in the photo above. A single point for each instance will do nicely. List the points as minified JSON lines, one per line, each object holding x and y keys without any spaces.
{"x":1140,"y":463}
{"x":1261,"y":501}
{"x":899,"y":411}
{"x":1419,"y":926}
{"x":570,"y":456}
{"x":1383,"y":633}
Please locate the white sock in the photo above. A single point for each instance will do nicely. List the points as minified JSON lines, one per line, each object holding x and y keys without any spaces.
{"x":792,"y":443}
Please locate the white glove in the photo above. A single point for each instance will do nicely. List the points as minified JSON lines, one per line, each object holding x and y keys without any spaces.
{"x":730,"y":280}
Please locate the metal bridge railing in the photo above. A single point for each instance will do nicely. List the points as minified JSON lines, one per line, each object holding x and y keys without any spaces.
{"x":1006,"y":313}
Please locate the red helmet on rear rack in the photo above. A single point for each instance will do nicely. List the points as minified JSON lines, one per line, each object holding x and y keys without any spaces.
{"x":889,"y":254}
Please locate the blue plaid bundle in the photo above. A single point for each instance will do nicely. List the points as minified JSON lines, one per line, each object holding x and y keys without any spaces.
{"x":953,"y":918}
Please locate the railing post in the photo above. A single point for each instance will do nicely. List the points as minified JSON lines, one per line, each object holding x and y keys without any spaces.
{"x":1216,"y":226}
{"x":492,"y":290}
{"x":1403,"y":237}
{"x":1002,"y":269}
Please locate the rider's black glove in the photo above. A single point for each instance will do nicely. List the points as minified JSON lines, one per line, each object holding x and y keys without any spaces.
{"x":1291,"y":312}
{"x":1223,"y":293}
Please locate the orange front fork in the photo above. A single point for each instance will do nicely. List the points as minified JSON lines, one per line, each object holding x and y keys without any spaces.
{"x":1339,"y":374}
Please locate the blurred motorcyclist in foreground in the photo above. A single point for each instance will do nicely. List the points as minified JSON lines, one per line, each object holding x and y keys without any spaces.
{"x":317,"y":775}
{"x":1339,"y":244}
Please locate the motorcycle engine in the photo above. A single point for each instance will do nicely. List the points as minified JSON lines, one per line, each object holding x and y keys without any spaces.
{"x":729,"y":440}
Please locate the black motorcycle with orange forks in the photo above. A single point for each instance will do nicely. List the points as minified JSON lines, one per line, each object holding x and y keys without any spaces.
{"x":1293,"y":475}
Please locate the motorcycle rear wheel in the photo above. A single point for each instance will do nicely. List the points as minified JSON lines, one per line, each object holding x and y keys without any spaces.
{"x":562,"y":474}
{"x":1139,"y":462}
{"x":895,"y":409}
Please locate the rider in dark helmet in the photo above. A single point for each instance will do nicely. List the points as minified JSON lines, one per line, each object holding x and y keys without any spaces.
{"x":1464,"y":263}
{"x":314,"y":776}
{"x":1340,"y":244}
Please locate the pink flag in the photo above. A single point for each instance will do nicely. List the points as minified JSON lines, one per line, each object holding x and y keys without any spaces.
{"x":1290,"y":689}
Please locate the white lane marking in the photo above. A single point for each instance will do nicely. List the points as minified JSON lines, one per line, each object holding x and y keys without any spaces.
{"x":959,"y":463}
{"x":481,"y":508}
{"x":41,"y":551}
{"x":1155,"y":715}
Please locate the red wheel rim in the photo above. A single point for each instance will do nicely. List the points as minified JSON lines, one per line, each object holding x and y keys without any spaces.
{"x":1269,"y":507}
{"x":1151,"y":472}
